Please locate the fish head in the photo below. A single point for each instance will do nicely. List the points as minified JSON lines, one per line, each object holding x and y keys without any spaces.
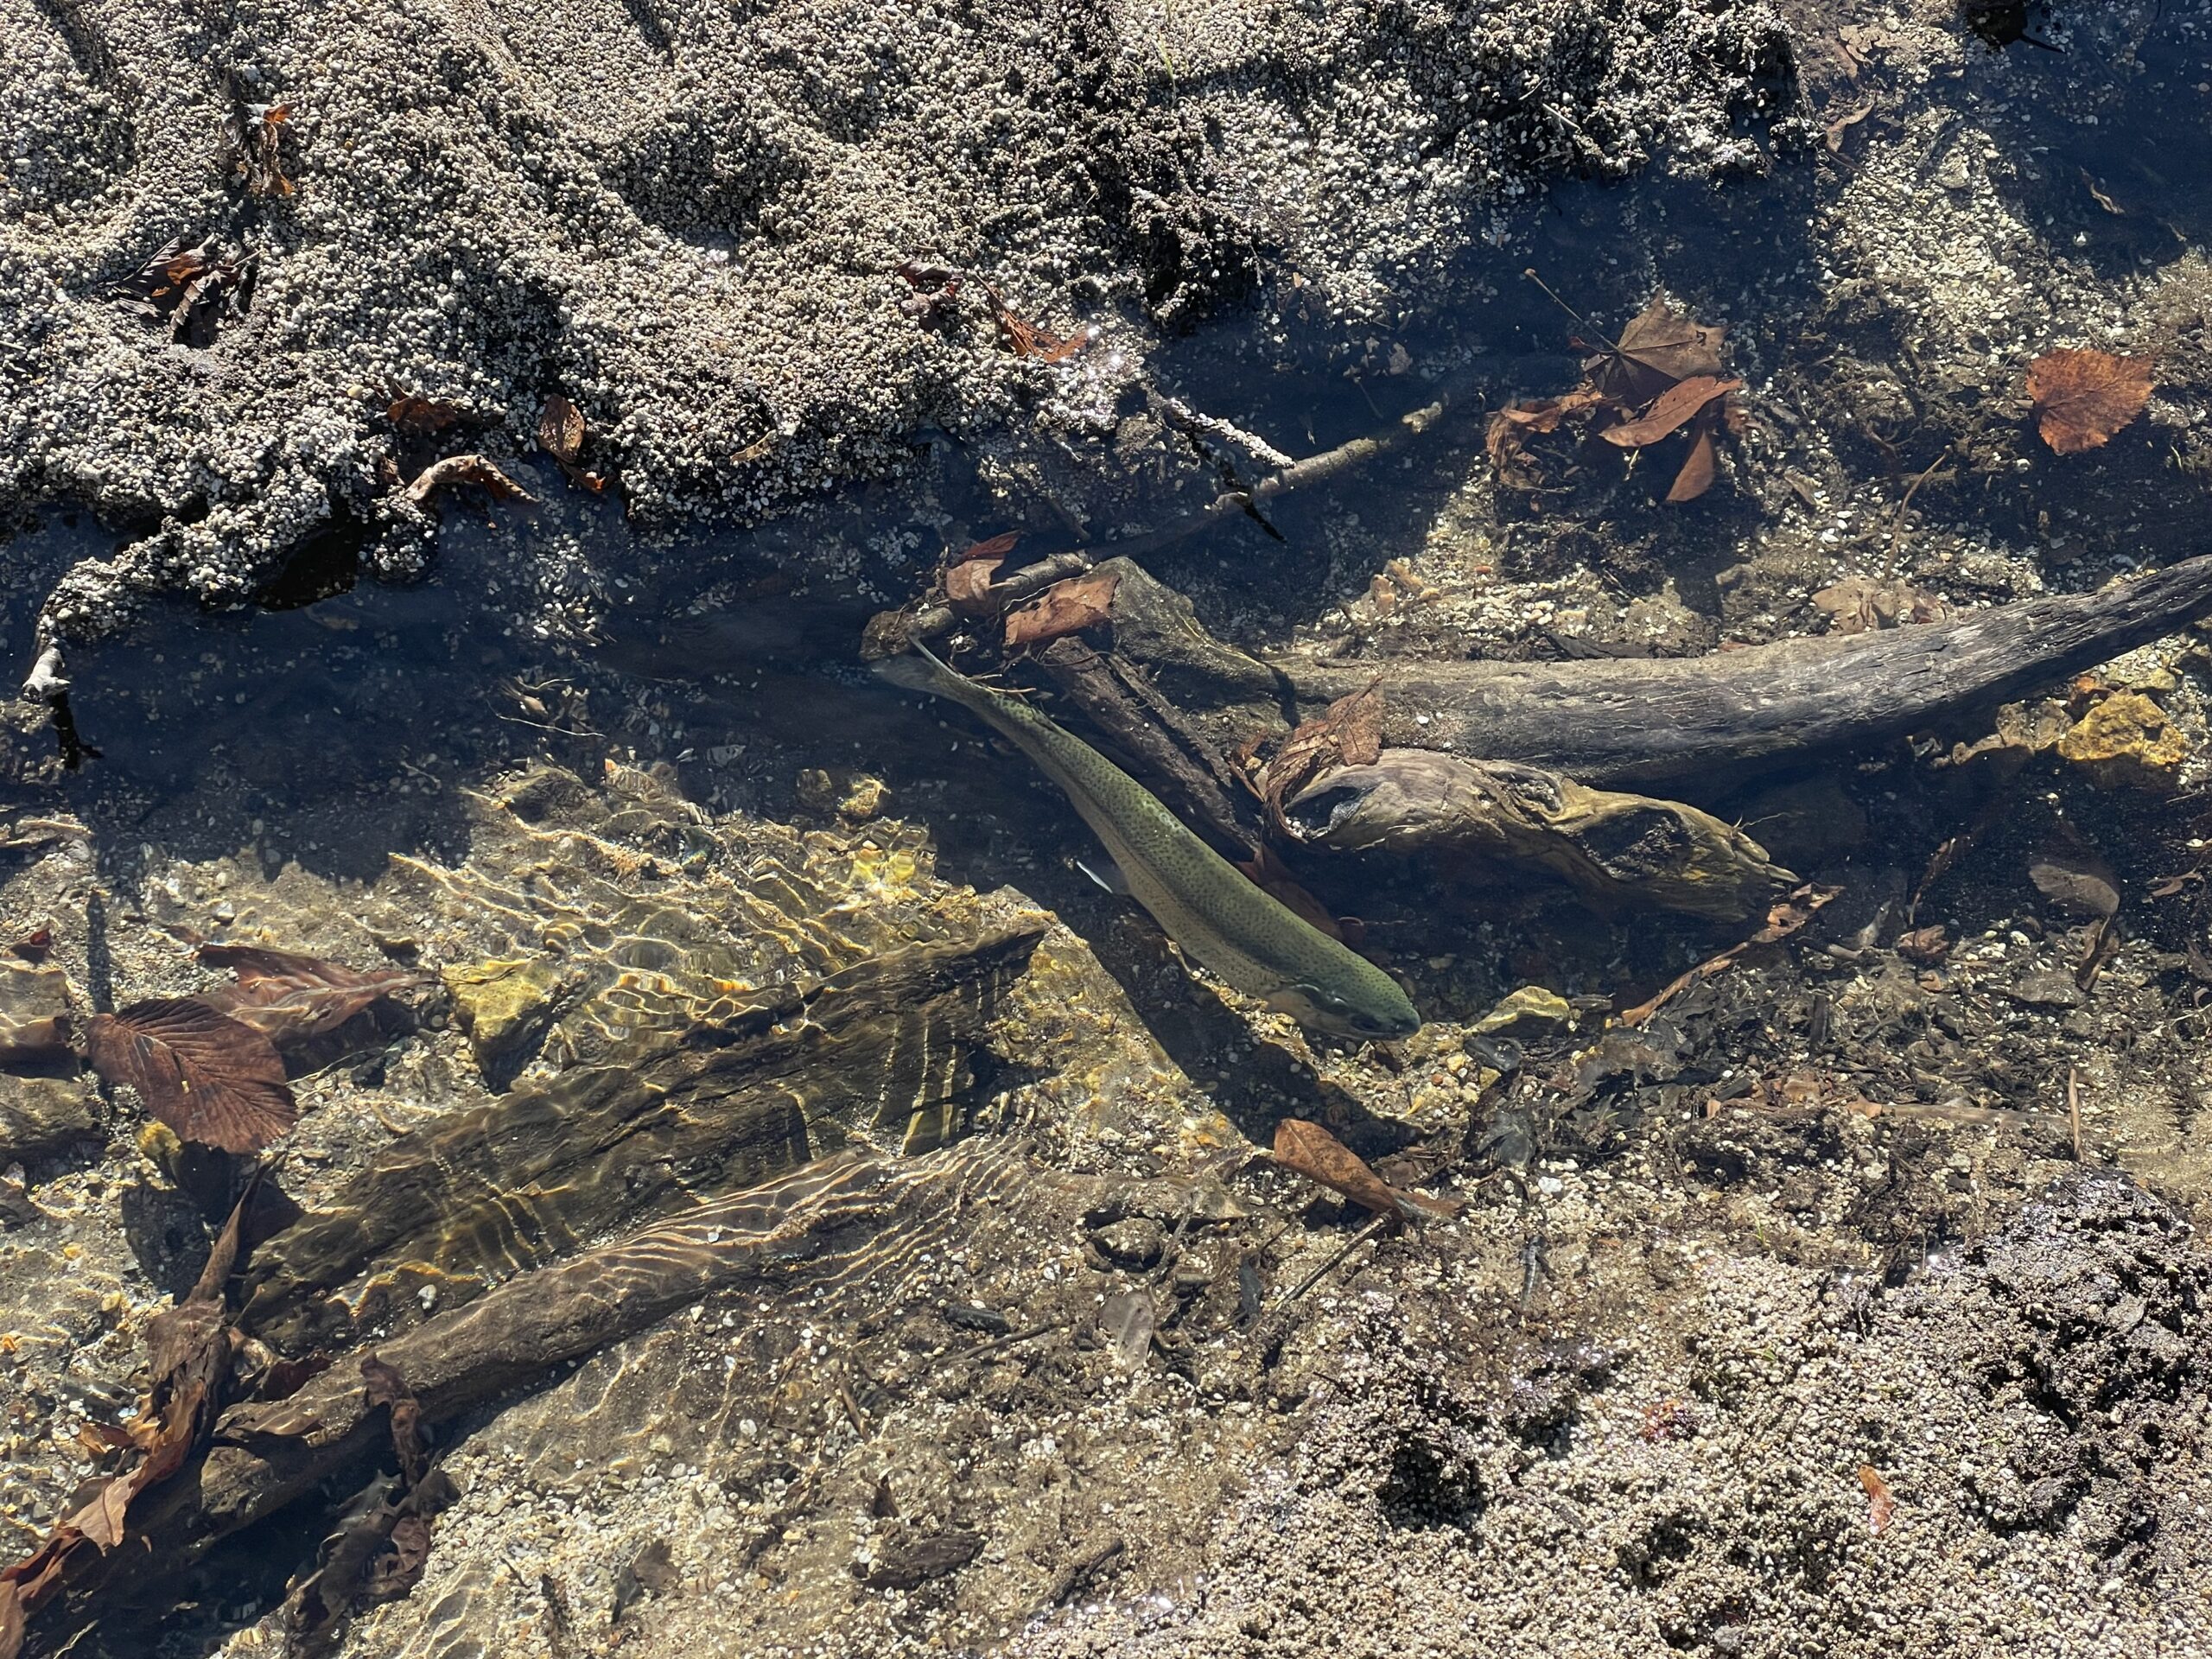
{"x":1318,"y":1008}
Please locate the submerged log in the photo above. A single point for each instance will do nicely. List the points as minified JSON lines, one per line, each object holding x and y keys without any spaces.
{"x":1695,"y":725}
{"x":879,"y":1054}
{"x":1615,"y":849}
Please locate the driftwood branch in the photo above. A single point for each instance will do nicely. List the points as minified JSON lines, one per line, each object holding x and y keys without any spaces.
{"x":1697,"y":725}
{"x":1614,"y":847}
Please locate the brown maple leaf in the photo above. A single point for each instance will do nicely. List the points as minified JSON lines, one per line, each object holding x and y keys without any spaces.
{"x":1659,"y":347}
{"x":2082,"y":398}
{"x":211,"y":1078}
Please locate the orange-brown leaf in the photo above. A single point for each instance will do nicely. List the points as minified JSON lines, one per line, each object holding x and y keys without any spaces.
{"x":1675,"y":406}
{"x":1880,"y":1505}
{"x":462,"y":469}
{"x":415,"y":415}
{"x":1064,"y":608}
{"x":561,"y":430}
{"x":1312,"y":1152}
{"x":2082,"y":398}
{"x":208,"y":1076}
{"x":1696,"y":475}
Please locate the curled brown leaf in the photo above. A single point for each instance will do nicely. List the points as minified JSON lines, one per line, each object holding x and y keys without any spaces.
{"x":1064,"y":608}
{"x":463,"y":469}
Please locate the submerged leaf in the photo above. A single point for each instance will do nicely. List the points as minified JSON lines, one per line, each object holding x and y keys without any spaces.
{"x":1348,"y":733}
{"x":1675,"y":406}
{"x":1695,"y":477}
{"x":2082,"y":398}
{"x":289,"y":997}
{"x":561,"y":430}
{"x":417,"y":415}
{"x":208,"y":1076}
{"x":1663,"y":346}
{"x":1064,"y":608}
{"x":1312,"y":1152}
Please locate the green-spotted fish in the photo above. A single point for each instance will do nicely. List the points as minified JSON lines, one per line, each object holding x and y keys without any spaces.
{"x":1193,"y":893}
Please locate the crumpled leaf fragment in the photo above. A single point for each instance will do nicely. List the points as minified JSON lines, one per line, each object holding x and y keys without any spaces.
{"x":462,"y":469}
{"x":211,"y":1078}
{"x":2082,"y":398}
{"x":192,"y":289}
{"x":1026,"y":338}
{"x":1349,"y":733}
{"x":560,"y":434}
{"x":1312,"y":1152}
{"x":418,"y":417}
{"x":1506,"y":437}
{"x":1862,"y":605}
{"x":1064,"y":608}
{"x":1785,"y":918}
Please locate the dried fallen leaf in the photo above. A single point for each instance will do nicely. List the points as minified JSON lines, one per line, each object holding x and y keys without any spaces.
{"x":1695,"y":477}
{"x":1026,"y":338}
{"x":210,"y":1078}
{"x":1880,"y":1506}
{"x":2082,"y":398}
{"x":192,"y":289}
{"x":1064,"y":608}
{"x":1349,"y":733}
{"x":289,"y":997}
{"x":1926,"y":945}
{"x":561,"y":430}
{"x":462,"y":469}
{"x":1862,"y":605}
{"x":2076,"y":879}
{"x":968,"y":586}
{"x":1840,"y":129}
{"x":1312,"y":1152}
{"x":1506,"y":437}
{"x":1674,"y":406}
{"x":968,"y":581}
{"x":418,"y":415}
{"x":383,"y":1386}
{"x":1660,"y":346}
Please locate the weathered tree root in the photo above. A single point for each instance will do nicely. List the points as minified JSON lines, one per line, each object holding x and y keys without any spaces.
{"x":1615,"y":849}
{"x":1697,"y":725}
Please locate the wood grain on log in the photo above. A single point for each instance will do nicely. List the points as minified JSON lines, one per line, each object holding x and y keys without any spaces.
{"x":1695,"y":725}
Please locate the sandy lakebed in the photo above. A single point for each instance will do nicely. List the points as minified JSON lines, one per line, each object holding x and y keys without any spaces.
{"x":743,"y":1191}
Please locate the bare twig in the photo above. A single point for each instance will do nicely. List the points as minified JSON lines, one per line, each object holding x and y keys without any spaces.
{"x":1896,"y":525}
{"x":1330,"y":1266}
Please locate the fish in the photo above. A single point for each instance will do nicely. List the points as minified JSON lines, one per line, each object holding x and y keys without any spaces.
{"x":1200,"y":898}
